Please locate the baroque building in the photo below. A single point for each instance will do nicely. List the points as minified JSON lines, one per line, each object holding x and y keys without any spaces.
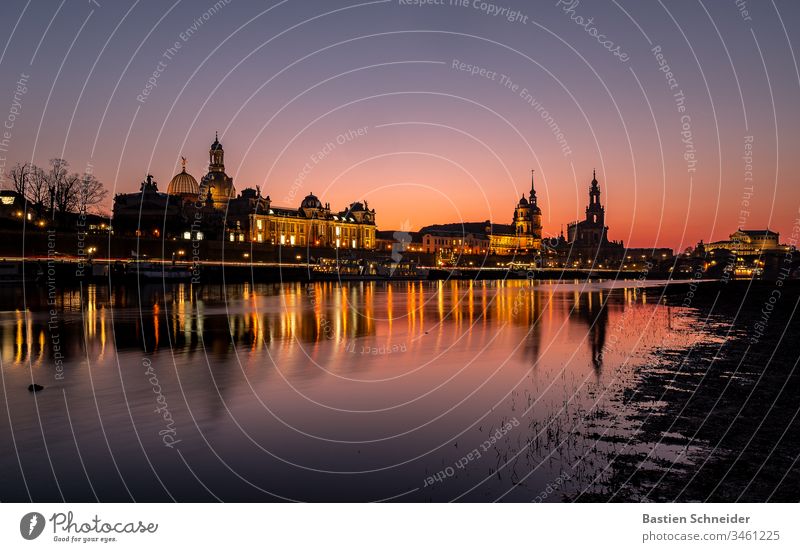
{"x":183,"y":184}
{"x":522,"y":236}
{"x":748,"y":242}
{"x":216,"y":183}
{"x":148,"y":213}
{"x":525,"y":233}
{"x":315,"y":225}
{"x":587,"y":242}
{"x":592,"y":231}
{"x":210,"y":209}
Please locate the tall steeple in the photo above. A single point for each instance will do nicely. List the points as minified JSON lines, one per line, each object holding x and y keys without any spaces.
{"x":533,"y":191}
{"x":594,"y":190}
{"x":216,"y":156}
{"x":216,"y":183}
{"x":595,"y":212}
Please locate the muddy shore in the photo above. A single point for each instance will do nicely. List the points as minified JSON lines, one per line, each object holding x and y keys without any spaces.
{"x":728,"y":406}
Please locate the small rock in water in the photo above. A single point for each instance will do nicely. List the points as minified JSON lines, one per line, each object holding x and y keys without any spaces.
{"x":35,"y":387}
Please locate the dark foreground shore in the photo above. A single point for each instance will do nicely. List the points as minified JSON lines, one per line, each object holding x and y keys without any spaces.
{"x":727,"y":411}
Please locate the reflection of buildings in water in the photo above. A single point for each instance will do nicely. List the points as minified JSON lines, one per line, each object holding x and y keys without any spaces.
{"x":247,"y":318}
{"x":520,"y":303}
{"x":479,"y":309}
{"x":594,"y":309}
{"x":533,"y":343}
{"x":34,"y":338}
{"x":591,"y":307}
{"x":215,"y":319}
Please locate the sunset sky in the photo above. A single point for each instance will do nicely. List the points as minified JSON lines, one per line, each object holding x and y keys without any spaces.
{"x":375,"y":100}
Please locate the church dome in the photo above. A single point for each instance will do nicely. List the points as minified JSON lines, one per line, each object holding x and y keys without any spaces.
{"x":523,"y":202}
{"x":311,"y":202}
{"x":183,"y":184}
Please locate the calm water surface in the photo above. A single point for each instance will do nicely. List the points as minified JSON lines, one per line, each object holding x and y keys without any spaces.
{"x":356,"y":391}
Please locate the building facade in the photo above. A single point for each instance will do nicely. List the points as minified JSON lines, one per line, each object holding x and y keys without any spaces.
{"x":592,"y":231}
{"x":216,"y":182}
{"x":211,"y":209}
{"x":315,"y":225}
{"x":525,"y":233}
{"x":749,"y":242}
{"x":447,"y":243}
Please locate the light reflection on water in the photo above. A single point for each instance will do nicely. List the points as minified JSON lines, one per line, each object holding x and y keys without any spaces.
{"x":354,"y":391}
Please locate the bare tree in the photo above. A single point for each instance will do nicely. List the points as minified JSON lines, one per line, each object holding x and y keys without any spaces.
{"x":91,"y":194}
{"x":20,"y":175}
{"x":62,"y":186}
{"x":56,"y":188}
{"x":38,"y":191}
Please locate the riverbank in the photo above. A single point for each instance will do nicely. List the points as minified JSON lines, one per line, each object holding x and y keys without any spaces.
{"x":725,"y":409}
{"x":59,"y":271}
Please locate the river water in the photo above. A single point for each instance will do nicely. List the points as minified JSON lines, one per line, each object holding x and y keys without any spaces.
{"x":416,"y":391}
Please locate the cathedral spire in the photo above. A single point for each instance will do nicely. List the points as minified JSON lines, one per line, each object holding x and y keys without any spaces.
{"x":533,"y":191}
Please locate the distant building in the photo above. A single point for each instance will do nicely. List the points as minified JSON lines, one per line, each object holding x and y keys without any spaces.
{"x":14,"y":206}
{"x":747,"y":254}
{"x":210,"y":209}
{"x":183,"y":184}
{"x":587,"y":239}
{"x":592,"y":231}
{"x":315,"y":225}
{"x":148,"y":213}
{"x":448,"y":243}
{"x":523,"y":235}
{"x":398,"y":241}
{"x":749,"y":242}
{"x":216,"y":183}
{"x":525,"y":232}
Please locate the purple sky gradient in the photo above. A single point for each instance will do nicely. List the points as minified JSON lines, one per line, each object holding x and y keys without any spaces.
{"x":280,"y":80}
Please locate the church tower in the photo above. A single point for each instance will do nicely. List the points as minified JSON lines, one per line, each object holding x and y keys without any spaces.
{"x":536,"y":213}
{"x":528,"y":221}
{"x":592,"y":231}
{"x":522,"y":217}
{"x":217,"y":184}
{"x":216,"y":156}
{"x":595,"y":212}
